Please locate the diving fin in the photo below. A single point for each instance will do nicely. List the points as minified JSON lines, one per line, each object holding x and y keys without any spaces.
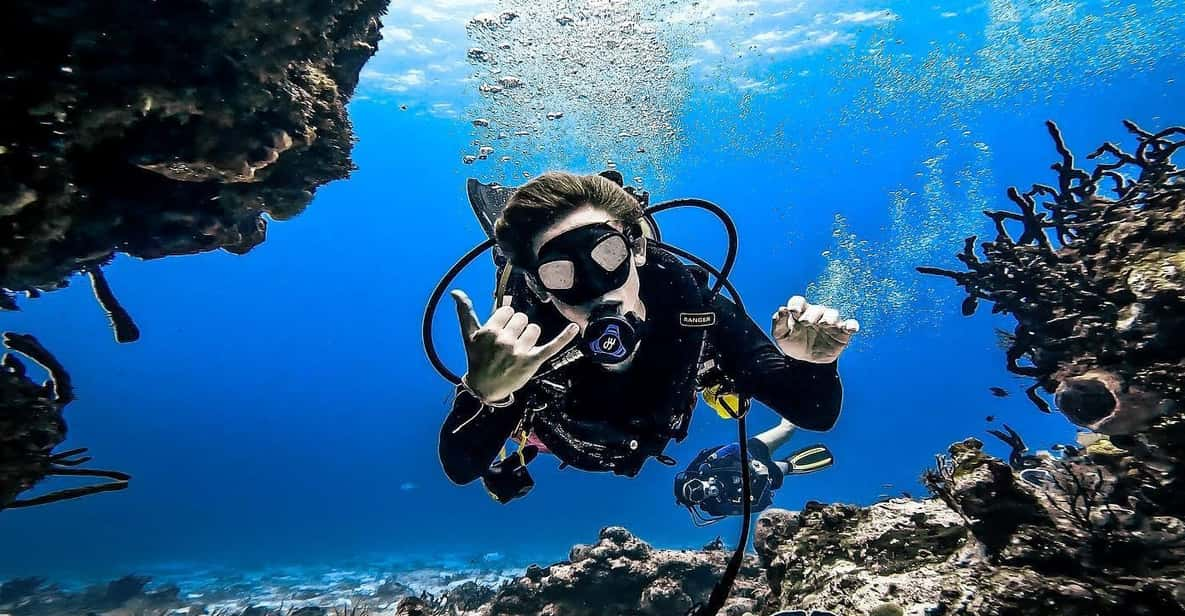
{"x":488,"y":201}
{"x":809,"y":460}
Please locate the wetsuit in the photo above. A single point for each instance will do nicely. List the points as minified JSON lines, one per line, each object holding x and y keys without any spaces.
{"x":657,"y":392}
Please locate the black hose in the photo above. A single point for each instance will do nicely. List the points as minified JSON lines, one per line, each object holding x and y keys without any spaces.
{"x":430,"y":309}
{"x":724,"y":586}
{"x":736,"y":296}
{"x":725,"y":219}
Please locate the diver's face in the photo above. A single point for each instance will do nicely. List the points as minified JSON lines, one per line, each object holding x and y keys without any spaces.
{"x":624,"y":299}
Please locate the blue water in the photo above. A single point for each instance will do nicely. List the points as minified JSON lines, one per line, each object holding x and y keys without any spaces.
{"x":279,"y":408}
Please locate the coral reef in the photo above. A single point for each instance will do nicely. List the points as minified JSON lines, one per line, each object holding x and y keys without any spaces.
{"x":127,"y":595}
{"x":621,"y":574}
{"x":1091,"y":533}
{"x":173,"y":137}
{"x":1096,"y":283}
{"x":1086,"y":540}
{"x":132,"y":595}
{"x":855,"y":560}
{"x":31,"y":426}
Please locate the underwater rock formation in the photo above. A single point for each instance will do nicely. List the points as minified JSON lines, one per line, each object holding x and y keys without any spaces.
{"x":1085,"y":540}
{"x":172,"y":137}
{"x":31,"y":426}
{"x":175,"y":136}
{"x":1096,"y":283}
{"x":620,"y":574}
{"x":128,"y":595}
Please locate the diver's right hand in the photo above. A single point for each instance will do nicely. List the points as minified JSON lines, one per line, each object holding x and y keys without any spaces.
{"x":502,"y":354}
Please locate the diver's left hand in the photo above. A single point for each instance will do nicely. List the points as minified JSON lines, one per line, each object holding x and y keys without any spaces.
{"x":812,"y":332}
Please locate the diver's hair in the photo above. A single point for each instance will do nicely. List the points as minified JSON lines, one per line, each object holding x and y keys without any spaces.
{"x":538,"y":204}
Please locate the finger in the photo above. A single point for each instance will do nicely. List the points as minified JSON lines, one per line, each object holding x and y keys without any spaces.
{"x":837,"y":334}
{"x":796,"y":306}
{"x":530,"y":336}
{"x":830,"y":317}
{"x":500,"y":318}
{"x":850,"y":326}
{"x":516,"y":325}
{"x":812,"y":315}
{"x":780,"y":314}
{"x":465,"y":313}
{"x":557,"y":344}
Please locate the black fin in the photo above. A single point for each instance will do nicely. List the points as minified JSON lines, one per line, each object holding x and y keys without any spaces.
{"x":488,"y":201}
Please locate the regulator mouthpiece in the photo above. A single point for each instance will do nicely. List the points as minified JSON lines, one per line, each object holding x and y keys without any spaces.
{"x":610,"y":338}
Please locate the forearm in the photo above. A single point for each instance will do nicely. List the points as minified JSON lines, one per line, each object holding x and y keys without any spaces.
{"x":472,"y":435}
{"x":808,"y":395}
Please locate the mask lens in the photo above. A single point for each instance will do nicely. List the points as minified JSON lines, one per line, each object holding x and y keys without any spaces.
{"x":610,"y":253}
{"x":557,"y":275}
{"x":694,"y":490}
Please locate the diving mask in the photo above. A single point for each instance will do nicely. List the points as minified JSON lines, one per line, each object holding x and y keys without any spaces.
{"x":584,"y":263}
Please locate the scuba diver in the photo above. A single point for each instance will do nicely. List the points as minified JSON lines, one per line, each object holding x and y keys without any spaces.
{"x":581,"y":263}
{"x":710,"y":486}
{"x":602,"y":335}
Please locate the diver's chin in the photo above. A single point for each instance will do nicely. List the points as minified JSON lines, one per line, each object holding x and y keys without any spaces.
{"x":618,"y":368}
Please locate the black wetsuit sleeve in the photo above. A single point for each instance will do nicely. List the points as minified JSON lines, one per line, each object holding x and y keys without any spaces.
{"x":807,"y":394}
{"x":473,"y":434}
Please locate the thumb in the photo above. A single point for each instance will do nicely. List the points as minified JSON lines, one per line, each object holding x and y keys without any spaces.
{"x":466,"y":314}
{"x":547,"y":351}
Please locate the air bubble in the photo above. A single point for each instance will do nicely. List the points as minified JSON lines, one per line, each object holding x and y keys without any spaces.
{"x":477,"y":54}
